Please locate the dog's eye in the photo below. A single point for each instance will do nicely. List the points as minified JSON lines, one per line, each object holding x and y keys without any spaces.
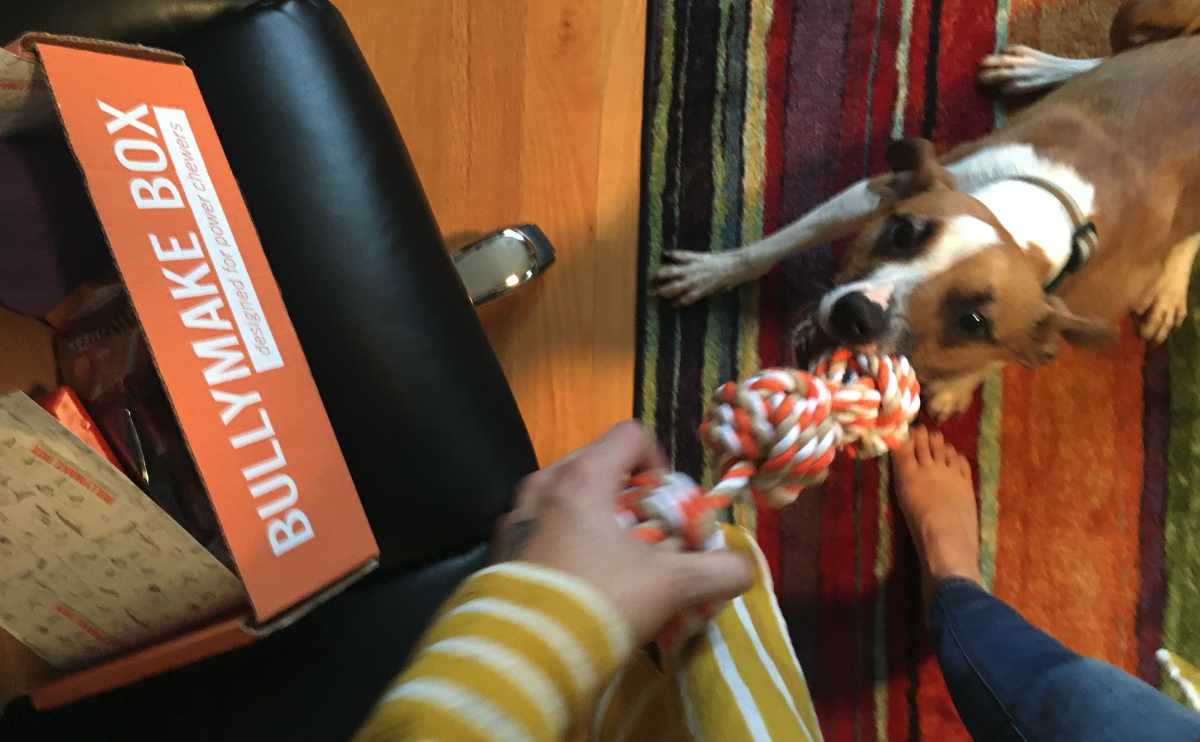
{"x":902,"y":235}
{"x":974,"y":325}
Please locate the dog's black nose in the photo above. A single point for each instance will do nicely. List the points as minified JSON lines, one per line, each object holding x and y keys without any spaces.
{"x":856,"y":319}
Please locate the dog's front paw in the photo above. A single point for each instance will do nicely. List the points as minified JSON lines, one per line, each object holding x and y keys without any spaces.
{"x":688,"y":277}
{"x":1165,"y":304}
{"x":1020,"y":70}
{"x":944,"y":401}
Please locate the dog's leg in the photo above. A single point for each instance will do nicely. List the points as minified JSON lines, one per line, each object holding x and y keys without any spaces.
{"x":691,"y":276}
{"x":1020,"y":70}
{"x":947,"y":398}
{"x":1165,"y":303}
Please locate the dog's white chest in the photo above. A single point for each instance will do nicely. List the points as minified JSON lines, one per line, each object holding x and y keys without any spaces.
{"x":1034,"y":218}
{"x":1031,"y":214}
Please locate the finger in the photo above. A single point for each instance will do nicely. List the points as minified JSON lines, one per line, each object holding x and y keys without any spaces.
{"x":626,"y":448}
{"x":711,"y":576}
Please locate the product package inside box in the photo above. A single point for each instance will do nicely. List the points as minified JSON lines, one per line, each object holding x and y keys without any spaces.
{"x":165,"y":461}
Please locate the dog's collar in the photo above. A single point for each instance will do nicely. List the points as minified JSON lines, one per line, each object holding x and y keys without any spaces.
{"x":1084,"y":238}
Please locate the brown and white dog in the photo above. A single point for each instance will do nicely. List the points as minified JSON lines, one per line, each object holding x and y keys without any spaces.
{"x":1084,"y":208}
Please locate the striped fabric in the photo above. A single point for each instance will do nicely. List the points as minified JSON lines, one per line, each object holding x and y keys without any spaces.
{"x":756,"y":111}
{"x":739,"y":681}
{"x":522,"y":653}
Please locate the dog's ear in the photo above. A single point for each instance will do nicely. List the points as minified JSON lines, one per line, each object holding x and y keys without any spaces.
{"x":1059,"y":325}
{"x":915,"y":169}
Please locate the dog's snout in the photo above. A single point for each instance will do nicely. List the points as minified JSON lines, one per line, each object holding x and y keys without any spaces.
{"x":856,"y":319}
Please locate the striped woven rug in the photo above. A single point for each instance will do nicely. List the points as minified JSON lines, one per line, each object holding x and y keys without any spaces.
{"x":757,"y":110}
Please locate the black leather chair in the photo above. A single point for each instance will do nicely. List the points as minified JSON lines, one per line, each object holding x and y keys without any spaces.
{"x":427,"y":422}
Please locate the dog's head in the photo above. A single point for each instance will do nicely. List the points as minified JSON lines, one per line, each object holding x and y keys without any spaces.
{"x":934,"y":275}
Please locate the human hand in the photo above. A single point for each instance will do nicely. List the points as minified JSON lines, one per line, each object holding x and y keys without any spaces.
{"x":564,"y":518}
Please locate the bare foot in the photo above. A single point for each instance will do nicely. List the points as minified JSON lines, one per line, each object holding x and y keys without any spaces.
{"x":934,"y":487}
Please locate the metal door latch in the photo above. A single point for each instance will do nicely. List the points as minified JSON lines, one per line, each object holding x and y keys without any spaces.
{"x":503,"y":261}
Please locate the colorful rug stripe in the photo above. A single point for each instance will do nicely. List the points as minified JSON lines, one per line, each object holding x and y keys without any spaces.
{"x":849,"y":519}
{"x":1181,"y":616}
{"x":882,"y":571}
{"x":1156,"y":407}
{"x":816,"y":74}
{"x":1069,"y":527}
{"x":770,"y":305}
{"x":754,"y":180}
{"x":728,"y":122}
{"x":695,"y":201}
{"x":660,"y":52}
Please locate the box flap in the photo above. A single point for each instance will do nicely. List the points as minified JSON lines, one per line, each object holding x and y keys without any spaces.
{"x":24,"y":97}
{"x":214,"y":320}
{"x":89,"y":565}
{"x":202,"y":643}
{"x":28,"y":43}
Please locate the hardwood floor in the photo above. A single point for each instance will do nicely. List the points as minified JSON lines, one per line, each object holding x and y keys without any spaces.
{"x":530,"y":111}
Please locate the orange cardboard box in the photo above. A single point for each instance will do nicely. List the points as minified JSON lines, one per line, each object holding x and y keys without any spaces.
{"x":228,"y":356}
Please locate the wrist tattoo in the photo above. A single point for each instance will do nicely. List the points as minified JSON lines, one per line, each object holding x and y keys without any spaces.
{"x":519,"y":535}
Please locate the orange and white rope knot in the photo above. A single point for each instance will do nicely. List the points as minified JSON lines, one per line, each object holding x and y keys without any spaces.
{"x":777,"y":432}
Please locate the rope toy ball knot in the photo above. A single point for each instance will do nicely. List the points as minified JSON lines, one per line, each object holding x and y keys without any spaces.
{"x":777,"y":432}
{"x":774,"y":434}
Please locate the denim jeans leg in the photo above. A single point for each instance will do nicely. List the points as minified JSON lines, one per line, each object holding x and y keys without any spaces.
{"x":1011,"y":681}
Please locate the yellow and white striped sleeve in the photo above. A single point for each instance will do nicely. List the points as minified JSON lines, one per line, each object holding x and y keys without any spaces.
{"x":519,"y":652}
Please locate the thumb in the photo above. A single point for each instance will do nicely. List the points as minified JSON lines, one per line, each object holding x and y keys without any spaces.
{"x":712,"y":576}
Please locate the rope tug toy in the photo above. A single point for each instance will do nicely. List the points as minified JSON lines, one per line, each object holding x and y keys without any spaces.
{"x":774,"y":434}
